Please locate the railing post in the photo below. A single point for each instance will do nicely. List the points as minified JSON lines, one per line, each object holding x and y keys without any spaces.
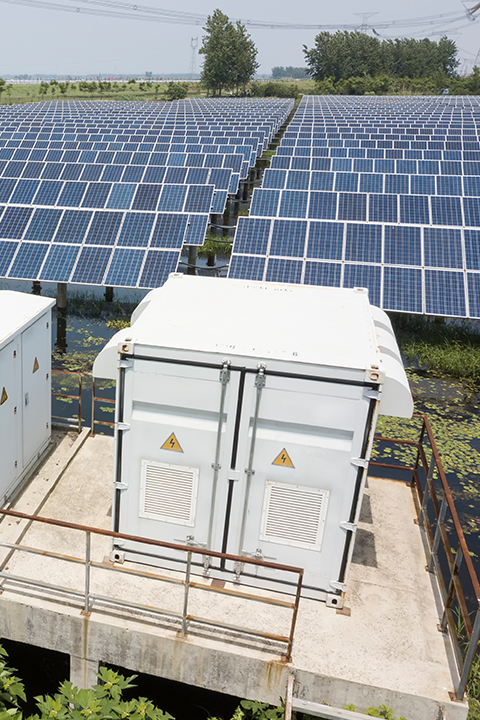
{"x":288,"y":655}
{"x":80,"y":385}
{"x":426,"y":492}
{"x":87,"y":571}
{"x":92,"y":430}
{"x":436,"y":539}
{"x":185,"y":597}
{"x":467,"y":665}
{"x":451,"y":590}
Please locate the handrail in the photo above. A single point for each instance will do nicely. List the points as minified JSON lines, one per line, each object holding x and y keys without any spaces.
{"x":77,"y":397}
{"x":184,"y":617}
{"x":451,"y":587}
{"x":96,"y":397}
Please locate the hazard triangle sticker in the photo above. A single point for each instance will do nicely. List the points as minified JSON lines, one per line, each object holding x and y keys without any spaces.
{"x":4,"y":397}
{"x":283,"y":459}
{"x":35,"y":365}
{"x":172,"y":443}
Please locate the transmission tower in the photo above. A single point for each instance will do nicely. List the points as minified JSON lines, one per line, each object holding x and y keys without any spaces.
{"x":364,"y":26}
{"x":193,"y":58}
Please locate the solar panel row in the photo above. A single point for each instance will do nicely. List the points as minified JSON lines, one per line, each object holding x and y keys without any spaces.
{"x":375,"y":192}
{"x":107,"y":193}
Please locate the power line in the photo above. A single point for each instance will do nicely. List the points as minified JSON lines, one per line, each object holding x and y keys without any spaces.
{"x":123,"y":10}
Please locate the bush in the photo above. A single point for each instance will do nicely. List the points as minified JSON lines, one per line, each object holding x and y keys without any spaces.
{"x":176,"y":91}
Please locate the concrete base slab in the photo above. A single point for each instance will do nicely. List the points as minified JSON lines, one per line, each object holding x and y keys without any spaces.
{"x":384,"y":648}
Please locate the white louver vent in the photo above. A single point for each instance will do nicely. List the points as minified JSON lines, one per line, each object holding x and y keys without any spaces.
{"x":168,"y":492}
{"x":294,"y":515}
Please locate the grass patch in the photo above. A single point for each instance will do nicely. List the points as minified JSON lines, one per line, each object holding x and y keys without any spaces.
{"x":444,"y":347}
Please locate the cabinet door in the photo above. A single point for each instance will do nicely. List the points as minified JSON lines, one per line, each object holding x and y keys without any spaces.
{"x":35,"y":387}
{"x":11,"y":463}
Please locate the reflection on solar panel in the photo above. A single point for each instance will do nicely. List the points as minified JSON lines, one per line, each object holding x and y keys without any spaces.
{"x":108,"y":193}
{"x":388,"y":190}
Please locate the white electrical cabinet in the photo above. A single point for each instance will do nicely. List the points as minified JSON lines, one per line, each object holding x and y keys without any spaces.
{"x":245,"y":419}
{"x":25,"y":384}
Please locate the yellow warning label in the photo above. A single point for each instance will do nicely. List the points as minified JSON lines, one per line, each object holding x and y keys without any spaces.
{"x":35,"y":365}
{"x":4,"y":397}
{"x":283,"y":459}
{"x":172,"y":444}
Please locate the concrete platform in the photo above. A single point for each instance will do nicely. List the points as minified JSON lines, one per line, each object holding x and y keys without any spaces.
{"x":382,"y":648}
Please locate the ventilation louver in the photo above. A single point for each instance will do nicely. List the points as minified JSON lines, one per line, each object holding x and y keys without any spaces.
{"x":294,"y":515}
{"x":168,"y":492}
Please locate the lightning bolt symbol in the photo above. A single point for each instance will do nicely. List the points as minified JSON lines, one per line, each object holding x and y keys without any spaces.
{"x":172,"y":442}
{"x":283,"y":458}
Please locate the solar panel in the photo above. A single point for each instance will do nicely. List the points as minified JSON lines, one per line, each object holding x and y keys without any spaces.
{"x":14,"y":221}
{"x":169,"y":231}
{"x":125,"y":267}
{"x":473,"y":294}
{"x":136,"y":229}
{"x":73,"y":226}
{"x":288,"y":238}
{"x":284,"y":270}
{"x":196,"y":229}
{"x":402,"y":289}
{"x":445,"y":293}
{"x":28,"y":260}
{"x":91,"y":265}
{"x":157,"y":267}
{"x":59,"y":262}
{"x":104,"y":228}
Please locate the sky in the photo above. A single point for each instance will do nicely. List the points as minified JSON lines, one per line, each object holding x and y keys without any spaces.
{"x":53,"y":41}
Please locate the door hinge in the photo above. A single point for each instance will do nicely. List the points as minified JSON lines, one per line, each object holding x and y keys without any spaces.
{"x":126,"y":363}
{"x":260,"y":379}
{"x":120,"y":486}
{"x":225,"y":372}
{"x":338,"y":585}
{"x":351,"y":527}
{"x":371,"y":394}
{"x":122,"y":426}
{"x":359,"y":462}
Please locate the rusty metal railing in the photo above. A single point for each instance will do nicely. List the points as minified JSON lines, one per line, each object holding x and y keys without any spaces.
{"x":96,"y":398}
{"x":89,"y":600}
{"x":457,"y":580}
{"x":78,"y":397}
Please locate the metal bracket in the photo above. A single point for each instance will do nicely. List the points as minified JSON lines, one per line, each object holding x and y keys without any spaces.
{"x":234,"y":475}
{"x":371,"y":394}
{"x":260,"y":380}
{"x":225,"y":372}
{"x":359,"y":462}
{"x":351,"y":527}
{"x":238,"y":569}
{"x":207,"y":563}
{"x":120,"y":486}
{"x":125,"y":363}
{"x":122,"y":426}
{"x":338,"y":585}
{"x":216,"y":466}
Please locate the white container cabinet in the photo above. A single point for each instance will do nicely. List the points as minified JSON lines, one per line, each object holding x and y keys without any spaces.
{"x":25,"y":384}
{"x":245,"y":418}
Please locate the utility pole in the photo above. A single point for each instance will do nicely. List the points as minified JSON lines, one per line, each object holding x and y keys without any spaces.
{"x":193,"y":59}
{"x":364,"y":26}
{"x":471,"y":12}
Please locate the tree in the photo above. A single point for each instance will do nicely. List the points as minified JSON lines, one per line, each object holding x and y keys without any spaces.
{"x":3,"y":84}
{"x":230,"y":55}
{"x":175,"y":90}
{"x":245,"y":63}
{"x":344,"y":55}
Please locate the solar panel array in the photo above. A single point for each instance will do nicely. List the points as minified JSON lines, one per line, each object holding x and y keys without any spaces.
{"x":382,"y":193}
{"x":108,"y":193}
